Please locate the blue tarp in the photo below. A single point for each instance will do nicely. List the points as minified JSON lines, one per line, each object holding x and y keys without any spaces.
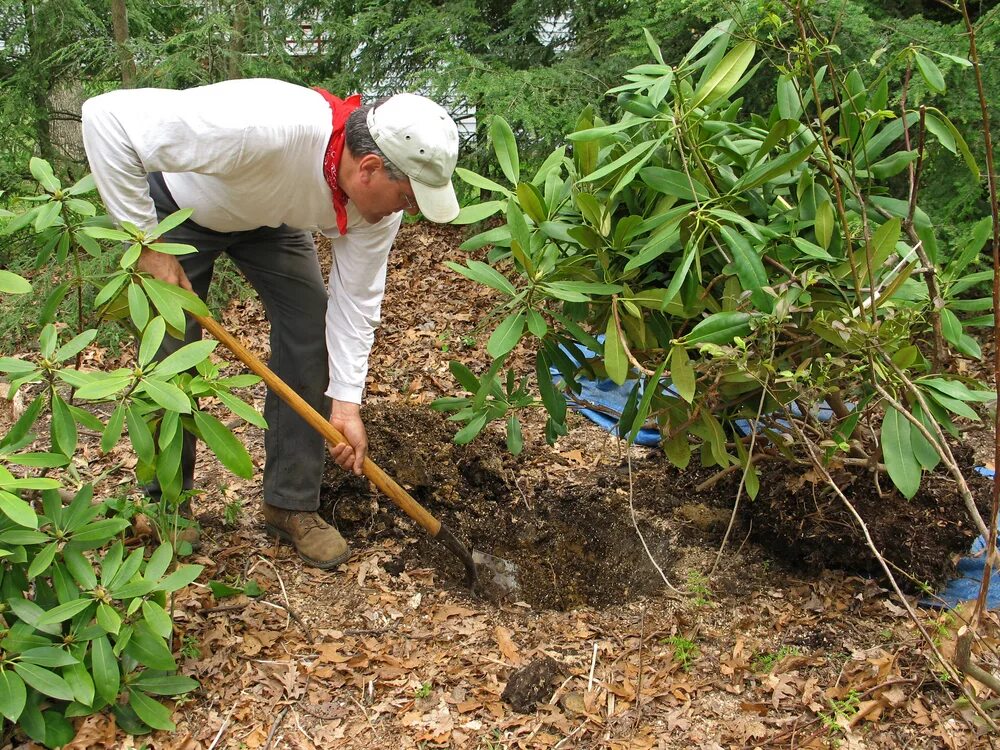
{"x":610,"y":399}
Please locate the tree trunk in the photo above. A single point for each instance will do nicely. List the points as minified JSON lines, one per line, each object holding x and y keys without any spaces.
{"x":237,"y":42}
{"x":119,"y":27}
{"x":37,"y":53}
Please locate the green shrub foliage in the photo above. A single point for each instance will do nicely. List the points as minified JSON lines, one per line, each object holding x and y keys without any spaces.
{"x":84,"y":619}
{"x":747,"y":266}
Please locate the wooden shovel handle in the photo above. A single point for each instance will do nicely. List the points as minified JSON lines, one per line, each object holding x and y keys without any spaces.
{"x":378,"y":477}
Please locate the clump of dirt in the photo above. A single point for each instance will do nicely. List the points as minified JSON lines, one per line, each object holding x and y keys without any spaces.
{"x":799,"y":518}
{"x":573,"y":545}
{"x":533,"y":684}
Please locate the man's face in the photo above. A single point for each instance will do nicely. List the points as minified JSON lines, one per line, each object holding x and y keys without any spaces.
{"x":376,"y":196}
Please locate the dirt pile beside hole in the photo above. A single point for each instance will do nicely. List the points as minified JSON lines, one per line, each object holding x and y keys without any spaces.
{"x":573,"y":545}
{"x":798,"y":518}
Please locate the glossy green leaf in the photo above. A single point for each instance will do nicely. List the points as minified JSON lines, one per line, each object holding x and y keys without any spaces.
{"x":506,"y":149}
{"x":930,"y":72}
{"x":167,"y":395}
{"x":726,"y":75}
{"x":476,"y":212}
{"x":11,"y":283}
{"x":897,"y":452}
{"x":41,"y":170}
{"x":164,"y":684}
{"x":515,"y":441}
{"x":555,"y":403}
{"x":507,"y":334}
{"x":615,"y":359}
{"x":44,"y":681}
{"x":153,"y":713}
{"x":174,"y":220}
{"x":17,"y":510}
{"x":230,"y":451}
{"x":484,"y":274}
{"x":12,"y":694}
{"x":719,"y":328}
{"x":532,"y":202}
{"x":478,"y":181}
{"x":104,"y":667}
{"x":682,"y":373}
{"x":149,"y":649}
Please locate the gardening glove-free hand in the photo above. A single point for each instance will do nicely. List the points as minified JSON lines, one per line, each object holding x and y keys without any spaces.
{"x":163,"y":267}
{"x":346,"y":418}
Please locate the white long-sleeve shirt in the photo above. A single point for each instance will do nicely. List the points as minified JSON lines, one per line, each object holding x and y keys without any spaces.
{"x":246,"y":154}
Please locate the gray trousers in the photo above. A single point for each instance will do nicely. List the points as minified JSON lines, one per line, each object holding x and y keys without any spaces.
{"x":281,"y":264}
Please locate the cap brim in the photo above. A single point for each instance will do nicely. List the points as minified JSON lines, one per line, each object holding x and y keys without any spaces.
{"x":438,"y":204}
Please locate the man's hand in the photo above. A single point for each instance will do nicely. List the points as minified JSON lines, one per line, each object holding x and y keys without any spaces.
{"x":346,"y":417}
{"x":163,"y":267}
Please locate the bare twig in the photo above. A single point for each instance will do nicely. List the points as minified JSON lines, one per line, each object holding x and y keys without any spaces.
{"x":674,"y":593}
{"x":274,"y":727}
{"x":223,"y":728}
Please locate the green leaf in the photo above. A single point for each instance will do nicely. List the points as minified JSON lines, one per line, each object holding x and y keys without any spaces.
{"x":41,"y":170}
{"x":507,"y":334}
{"x":64,"y":612}
{"x":749,"y":268}
{"x":864,"y":152}
{"x":174,"y":220}
{"x":478,"y":181}
{"x":230,"y":451}
{"x":44,"y":681}
{"x":152,"y":339}
{"x":157,"y":618}
{"x":42,"y":561}
{"x":719,"y":328}
{"x":242,"y":409}
{"x":153,"y":713}
{"x":167,"y":395}
{"x":149,"y":649}
{"x":108,"y":619}
{"x":186,"y":357}
{"x":63,"y":427}
{"x":11,"y":283}
{"x":515,"y":441}
{"x":672,"y":182}
{"x":484,"y":274}
{"x":222,"y":590}
{"x":17,"y":510}
{"x":553,"y":400}
{"x":682,"y":373}
{"x":897,"y":452}
{"x":104,"y":667}
{"x":141,"y":437}
{"x":506,"y":149}
{"x":726,"y":75}
{"x":772,"y":168}
{"x":930,"y":72}
{"x":103,"y":233}
{"x":74,"y":346}
{"x":615,"y":359}
{"x":532,"y":202}
{"x":652,"y":386}
{"x":476,"y":212}
{"x":48,"y":656}
{"x":537,"y":324}
{"x":824,"y":223}
{"x":180,"y":578}
{"x":164,"y":684}
{"x":171,"y":301}
{"x":468,"y":433}
{"x":78,"y":678}
{"x":12,"y":694}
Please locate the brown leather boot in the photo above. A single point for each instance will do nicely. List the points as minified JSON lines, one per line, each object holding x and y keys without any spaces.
{"x":316,"y":541}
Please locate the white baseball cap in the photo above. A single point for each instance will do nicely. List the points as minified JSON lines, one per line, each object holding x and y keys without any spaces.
{"x":420,"y":138}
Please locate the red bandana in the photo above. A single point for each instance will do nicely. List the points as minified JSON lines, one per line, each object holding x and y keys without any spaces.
{"x":340,"y":108}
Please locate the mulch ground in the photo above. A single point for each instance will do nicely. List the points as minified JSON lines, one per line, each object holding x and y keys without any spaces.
{"x":627,"y":628}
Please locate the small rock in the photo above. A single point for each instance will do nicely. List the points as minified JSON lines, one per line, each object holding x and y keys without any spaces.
{"x":533,"y":684}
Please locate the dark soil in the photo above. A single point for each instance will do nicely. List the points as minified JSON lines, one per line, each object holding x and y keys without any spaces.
{"x":572,"y":539}
{"x":572,"y":544}
{"x":798,"y":518}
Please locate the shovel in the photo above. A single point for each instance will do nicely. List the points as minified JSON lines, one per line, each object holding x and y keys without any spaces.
{"x":501,"y":572}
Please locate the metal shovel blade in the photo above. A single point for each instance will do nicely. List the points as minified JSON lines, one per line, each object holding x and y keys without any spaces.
{"x":497,"y":576}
